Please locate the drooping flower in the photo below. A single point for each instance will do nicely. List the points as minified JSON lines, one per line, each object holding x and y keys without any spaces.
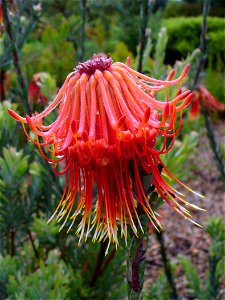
{"x":202,"y":95}
{"x":106,"y":131}
{"x":35,"y":94}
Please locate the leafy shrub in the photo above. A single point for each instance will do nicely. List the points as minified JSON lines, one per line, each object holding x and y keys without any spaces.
{"x":8,"y":128}
{"x":8,"y":267}
{"x":121,"y":53}
{"x":184,"y":37}
{"x":194,"y":8}
{"x":52,"y":52}
{"x":50,"y":281}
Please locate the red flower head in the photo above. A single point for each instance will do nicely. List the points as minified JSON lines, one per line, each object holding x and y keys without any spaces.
{"x":109,"y":120}
{"x":202,"y":95}
{"x":34,"y":90}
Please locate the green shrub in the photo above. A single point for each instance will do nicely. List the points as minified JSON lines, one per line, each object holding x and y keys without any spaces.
{"x":194,"y":8}
{"x":121,"y":53}
{"x":184,"y":37}
{"x":50,"y":281}
{"x":51,"y":52}
{"x":214,"y":81}
{"x":8,"y":267}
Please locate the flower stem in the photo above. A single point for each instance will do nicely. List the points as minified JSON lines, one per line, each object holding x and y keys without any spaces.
{"x":136,"y":261}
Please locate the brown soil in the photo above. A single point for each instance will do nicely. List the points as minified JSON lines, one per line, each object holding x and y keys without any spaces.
{"x":181,"y":236}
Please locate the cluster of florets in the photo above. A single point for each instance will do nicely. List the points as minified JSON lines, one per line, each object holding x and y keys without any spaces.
{"x":109,"y":119}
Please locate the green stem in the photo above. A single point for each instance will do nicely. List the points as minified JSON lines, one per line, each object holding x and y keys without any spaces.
{"x":202,"y":46}
{"x":144,"y":14}
{"x":166,"y":265}
{"x":213,"y":287}
{"x":213,"y":143}
{"x":82,"y":29}
{"x":15,"y":57}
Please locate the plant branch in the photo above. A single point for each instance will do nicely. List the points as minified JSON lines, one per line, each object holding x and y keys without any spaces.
{"x":200,"y":66}
{"x":166,"y":264}
{"x":82,"y":29}
{"x":15,"y":57}
{"x":2,"y":84}
{"x":98,"y":265}
{"x":36,"y":253}
{"x":12,"y":234}
{"x":144,"y":14}
{"x":213,"y":143}
{"x":108,"y":261}
{"x":136,"y":261}
{"x":202,"y":46}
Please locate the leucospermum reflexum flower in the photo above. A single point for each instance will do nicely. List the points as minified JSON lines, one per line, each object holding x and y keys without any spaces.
{"x":109,"y":119}
{"x":202,"y":95}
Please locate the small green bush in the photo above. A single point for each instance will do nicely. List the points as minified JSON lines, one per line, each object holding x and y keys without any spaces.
{"x":194,"y":8}
{"x":51,"y":52}
{"x":184,"y":37}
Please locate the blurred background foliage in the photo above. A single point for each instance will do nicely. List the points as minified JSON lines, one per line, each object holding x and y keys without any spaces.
{"x":36,"y":261}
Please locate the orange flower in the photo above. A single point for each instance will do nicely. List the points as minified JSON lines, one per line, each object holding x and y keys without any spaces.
{"x":202,"y":95}
{"x":108,"y":122}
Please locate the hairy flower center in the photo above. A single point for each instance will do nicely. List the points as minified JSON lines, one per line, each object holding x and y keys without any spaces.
{"x":96,"y":63}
